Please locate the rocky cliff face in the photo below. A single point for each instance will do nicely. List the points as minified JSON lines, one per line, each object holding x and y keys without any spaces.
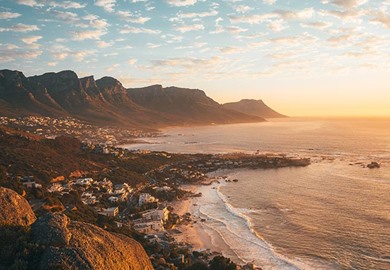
{"x":62,"y":243}
{"x":188,"y":105}
{"x":106,"y":101}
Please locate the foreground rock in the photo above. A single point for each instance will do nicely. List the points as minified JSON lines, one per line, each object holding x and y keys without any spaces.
{"x":14,"y":210}
{"x":56,"y":242}
{"x":77,"y":245}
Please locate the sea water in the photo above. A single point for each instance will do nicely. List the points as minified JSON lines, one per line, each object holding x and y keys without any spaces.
{"x":333,"y":214}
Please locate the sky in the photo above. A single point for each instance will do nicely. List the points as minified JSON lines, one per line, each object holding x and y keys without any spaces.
{"x":302,"y":57}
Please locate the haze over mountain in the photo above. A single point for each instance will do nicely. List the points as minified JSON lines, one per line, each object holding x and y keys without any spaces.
{"x":106,"y":101}
{"x":253,"y":107}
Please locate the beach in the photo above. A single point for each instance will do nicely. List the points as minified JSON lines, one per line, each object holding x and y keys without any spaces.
{"x":218,"y":228}
{"x":192,"y":232}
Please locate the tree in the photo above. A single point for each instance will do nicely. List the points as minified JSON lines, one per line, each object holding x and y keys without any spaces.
{"x":222,"y":263}
{"x":198,"y":266}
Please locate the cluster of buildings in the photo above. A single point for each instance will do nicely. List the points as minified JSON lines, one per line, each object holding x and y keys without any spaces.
{"x":92,"y":191}
{"x":29,"y":182}
{"x":105,"y":198}
{"x":53,"y":127}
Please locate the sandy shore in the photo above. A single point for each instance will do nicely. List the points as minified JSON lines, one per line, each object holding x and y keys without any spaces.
{"x":192,"y":233}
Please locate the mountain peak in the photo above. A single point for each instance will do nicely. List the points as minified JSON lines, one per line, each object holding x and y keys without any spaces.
{"x":253,"y":107}
{"x":15,"y":75}
{"x":109,"y":82}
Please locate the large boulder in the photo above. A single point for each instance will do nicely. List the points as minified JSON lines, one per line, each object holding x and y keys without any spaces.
{"x":15,"y":211}
{"x":78,"y":245}
{"x":56,"y":242}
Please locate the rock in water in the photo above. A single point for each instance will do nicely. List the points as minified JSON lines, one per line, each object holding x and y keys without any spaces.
{"x":373,"y":165}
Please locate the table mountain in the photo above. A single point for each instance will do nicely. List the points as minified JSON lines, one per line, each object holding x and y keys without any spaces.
{"x":106,"y":101}
{"x":253,"y":107}
{"x":189,"y":105}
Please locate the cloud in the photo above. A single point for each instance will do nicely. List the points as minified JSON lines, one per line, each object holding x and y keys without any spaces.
{"x":9,"y":15}
{"x":66,"y":4}
{"x":235,"y":29}
{"x":197,"y":15}
{"x":153,"y":45}
{"x":349,"y":3}
{"x":341,"y":38}
{"x":186,"y":62}
{"x":132,"y":61}
{"x":231,"y":50}
{"x":67,"y":17}
{"x":243,"y":9}
{"x":112,"y":67}
{"x":96,"y":22}
{"x":138,"y":30}
{"x":10,"y":53}
{"x":187,"y":28}
{"x":267,"y":17}
{"x":252,"y":19}
{"x":269,"y":2}
{"x":52,"y":64}
{"x":131,"y":18}
{"x":316,"y":25}
{"x":195,"y":45}
{"x":181,"y":3}
{"x":277,"y":25}
{"x":103,"y":44}
{"x":347,"y":15}
{"x":31,"y":39}
{"x":382,"y":18}
{"x":30,"y":3}
{"x":79,"y":56}
{"x":296,"y":15}
{"x":20,"y":27}
{"x":88,"y":34}
{"x":108,"y":5}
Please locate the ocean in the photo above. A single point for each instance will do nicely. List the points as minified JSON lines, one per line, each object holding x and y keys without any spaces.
{"x":333,"y":214}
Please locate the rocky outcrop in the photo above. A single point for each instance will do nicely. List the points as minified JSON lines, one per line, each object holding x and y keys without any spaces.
{"x":77,"y":245}
{"x":15,"y":211}
{"x":63,"y":244}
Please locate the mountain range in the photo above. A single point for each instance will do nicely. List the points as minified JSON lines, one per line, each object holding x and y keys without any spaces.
{"x":107,"y":102}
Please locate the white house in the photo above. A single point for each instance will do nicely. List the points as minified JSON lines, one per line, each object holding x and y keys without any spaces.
{"x":84,"y":181}
{"x":110,"y":212}
{"x":146,"y":198}
{"x":148,"y":227}
{"x":113,"y":199}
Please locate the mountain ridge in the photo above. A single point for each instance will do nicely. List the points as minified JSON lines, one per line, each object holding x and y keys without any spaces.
{"x":107,"y":102}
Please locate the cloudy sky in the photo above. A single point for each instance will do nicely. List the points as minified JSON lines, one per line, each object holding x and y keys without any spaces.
{"x":303,"y":57}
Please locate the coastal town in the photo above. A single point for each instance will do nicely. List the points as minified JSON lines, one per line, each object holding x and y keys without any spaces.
{"x":52,"y":127}
{"x":147,"y":211}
